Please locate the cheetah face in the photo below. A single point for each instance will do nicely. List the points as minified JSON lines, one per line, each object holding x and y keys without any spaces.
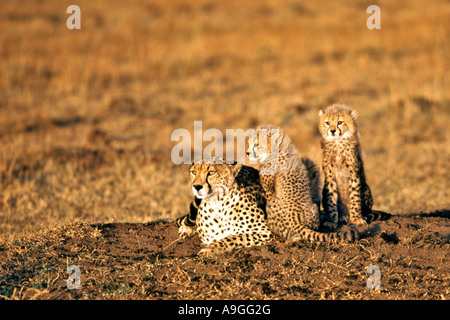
{"x":253,"y":149}
{"x":211,"y":178}
{"x":263,"y":144}
{"x":337,"y":123}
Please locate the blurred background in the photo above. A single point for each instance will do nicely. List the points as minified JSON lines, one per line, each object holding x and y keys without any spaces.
{"x":86,"y":116}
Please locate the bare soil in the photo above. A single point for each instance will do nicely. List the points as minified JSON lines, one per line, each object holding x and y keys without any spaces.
{"x":148,"y":261}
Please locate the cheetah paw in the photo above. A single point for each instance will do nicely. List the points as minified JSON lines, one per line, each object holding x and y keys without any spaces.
{"x":359,"y":222}
{"x":207,"y":252}
{"x":185,"y":232}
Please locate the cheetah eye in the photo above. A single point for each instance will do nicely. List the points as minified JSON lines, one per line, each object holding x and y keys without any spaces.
{"x":193,"y":173}
{"x":339,"y":123}
{"x":212,"y":172}
{"x":327,"y":123}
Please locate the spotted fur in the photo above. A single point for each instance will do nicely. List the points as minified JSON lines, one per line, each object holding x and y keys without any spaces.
{"x":293,"y":198}
{"x":346,"y":195}
{"x":231,"y":211}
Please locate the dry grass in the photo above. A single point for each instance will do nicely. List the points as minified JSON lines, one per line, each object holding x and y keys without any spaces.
{"x":86,"y":116}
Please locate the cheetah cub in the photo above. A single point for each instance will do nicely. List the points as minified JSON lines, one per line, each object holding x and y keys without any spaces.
{"x":290,"y":192}
{"x":315,"y":188}
{"x":346,"y":195}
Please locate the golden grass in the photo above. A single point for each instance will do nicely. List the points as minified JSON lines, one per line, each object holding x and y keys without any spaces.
{"x":86,"y":115}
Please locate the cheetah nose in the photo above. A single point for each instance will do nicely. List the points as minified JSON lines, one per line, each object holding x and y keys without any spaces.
{"x":198,"y":187}
{"x":332,"y":131}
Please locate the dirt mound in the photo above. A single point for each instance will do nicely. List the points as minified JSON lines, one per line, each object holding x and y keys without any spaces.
{"x":147,"y":261}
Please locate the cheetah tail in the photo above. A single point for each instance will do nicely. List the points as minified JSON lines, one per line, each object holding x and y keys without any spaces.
{"x":348,"y":233}
{"x":376,"y":215}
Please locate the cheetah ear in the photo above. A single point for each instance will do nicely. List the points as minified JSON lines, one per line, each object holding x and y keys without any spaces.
{"x":354,"y":115}
{"x":235,"y":168}
{"x":277,"y":135}
{"x":320,"y":113}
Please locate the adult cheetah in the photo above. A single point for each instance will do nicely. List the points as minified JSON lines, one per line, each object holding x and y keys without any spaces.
{"x":229,"y":206}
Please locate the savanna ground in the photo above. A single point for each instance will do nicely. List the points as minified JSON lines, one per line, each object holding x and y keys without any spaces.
{"x":86,"y":118}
